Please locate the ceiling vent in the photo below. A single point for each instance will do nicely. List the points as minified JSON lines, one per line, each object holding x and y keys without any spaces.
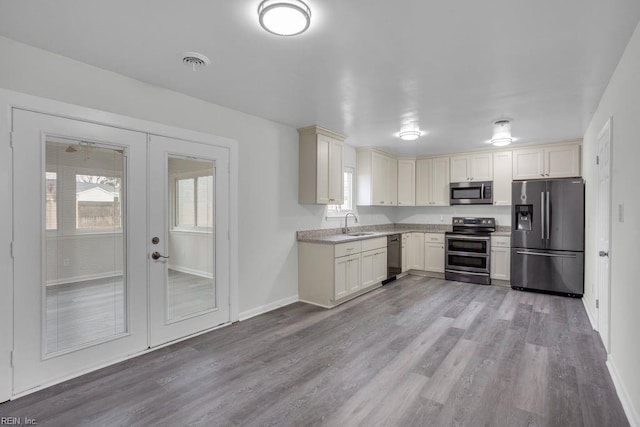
{"x":195,"y":60}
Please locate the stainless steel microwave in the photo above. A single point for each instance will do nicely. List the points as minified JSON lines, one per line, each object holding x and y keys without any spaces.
{"x":471,"y":193}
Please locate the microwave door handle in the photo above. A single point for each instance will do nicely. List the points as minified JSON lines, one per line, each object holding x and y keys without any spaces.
{"x":482,"y":192}
{"x":542,"y":215}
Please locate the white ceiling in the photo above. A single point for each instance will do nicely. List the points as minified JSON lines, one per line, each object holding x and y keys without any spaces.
{"x":365,"y":67}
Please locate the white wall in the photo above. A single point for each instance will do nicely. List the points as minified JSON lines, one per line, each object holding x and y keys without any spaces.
{"x":621,"y":101}
{"x":443,"y":214}
{"x":269,"y":213}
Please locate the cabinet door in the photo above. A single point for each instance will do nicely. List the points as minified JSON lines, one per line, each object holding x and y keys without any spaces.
{"x":367,"y":270}
{"x":406,"y":182}
{"x":440,"y":182}
{"x":415,"y":251}
{"x":380,"y":265}
{"x":500,"y":263}
{"x":502,"y":173}
{"x":434,"y":257}
{"x":335,"y":174}
{"x":379,"y":182}
{"x":424,"y":184}
{"x":528,"y":164}
{"x":340,"y":283}
{"x":322,"y":183}
{"x":460,"y":169}
{"x":481,"y":167}
{"x":353,"y":275}
{"x":562,"y":161}
{"x":392,"y":180}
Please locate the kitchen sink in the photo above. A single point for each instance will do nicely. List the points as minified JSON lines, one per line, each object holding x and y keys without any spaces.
{"x":362,"y":233}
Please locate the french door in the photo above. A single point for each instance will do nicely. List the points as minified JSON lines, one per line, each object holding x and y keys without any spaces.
{"x":189,"y":246}
{"x":120,"y":244}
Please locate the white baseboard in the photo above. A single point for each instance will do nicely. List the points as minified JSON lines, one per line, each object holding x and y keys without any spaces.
{"x":268,"y":307}
{"x":83,"y":278}
{"x":193,"y":271}
{"x":590,"y":315}
{"x":623,"y":394}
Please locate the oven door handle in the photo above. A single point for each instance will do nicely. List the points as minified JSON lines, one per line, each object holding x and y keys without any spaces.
{"x":483,"y":238}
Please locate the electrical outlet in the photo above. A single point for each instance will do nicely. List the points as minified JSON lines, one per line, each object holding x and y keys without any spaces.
{"x":66,"y":262}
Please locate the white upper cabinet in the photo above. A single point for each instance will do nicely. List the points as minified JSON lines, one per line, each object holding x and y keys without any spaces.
{"x":377,"y":178}
{"x":502,"y":176}
{"x":432,"y":181}
{"x":472,"y":167}
{"x":406,"y":182}
{"x":552,"y":161}
{"x":562,"y":161}
{"x":320,"y":166}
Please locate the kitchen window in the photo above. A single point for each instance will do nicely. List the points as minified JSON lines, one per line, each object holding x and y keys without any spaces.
{"x":338,"y":211}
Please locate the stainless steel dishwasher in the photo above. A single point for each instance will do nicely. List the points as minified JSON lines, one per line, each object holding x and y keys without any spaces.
{"x":394,"y":256}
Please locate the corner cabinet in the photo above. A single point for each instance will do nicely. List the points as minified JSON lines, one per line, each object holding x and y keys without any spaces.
{"x":330,"y":274}
{"x":406,"y":182}
{"x":552,"y":161}
{"x":472,"y":167}
{"x":502,"y":178}
{"x":377,"y":178}
{"x":320,"y":166}
{"x":432,"y":181}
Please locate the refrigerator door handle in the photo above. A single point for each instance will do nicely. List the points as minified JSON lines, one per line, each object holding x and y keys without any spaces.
{"x":548,"y":217}
{"x":542,"y":215}
{"x":543,"y":254}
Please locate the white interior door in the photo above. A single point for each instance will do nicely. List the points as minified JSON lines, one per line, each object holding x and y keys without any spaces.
{"x":604,"y":232}
{"x":189,"y":244}
{"x":79,"y":233}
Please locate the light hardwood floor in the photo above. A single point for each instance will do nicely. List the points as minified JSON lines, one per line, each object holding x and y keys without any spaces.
{"x":418,"y":351}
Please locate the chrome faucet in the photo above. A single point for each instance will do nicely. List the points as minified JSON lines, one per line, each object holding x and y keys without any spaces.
{"x":346,"y":217}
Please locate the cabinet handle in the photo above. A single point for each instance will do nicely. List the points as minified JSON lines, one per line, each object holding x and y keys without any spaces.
{"x":382,"y":203}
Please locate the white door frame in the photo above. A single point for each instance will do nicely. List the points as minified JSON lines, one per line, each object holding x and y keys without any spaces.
{"x":8,"y":101}
{"x":603,"y":290}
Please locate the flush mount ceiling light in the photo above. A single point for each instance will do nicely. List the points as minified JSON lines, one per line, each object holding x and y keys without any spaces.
{"x":410,"y":133}
{"x":501,"y":133}
{"x":284,"y":17}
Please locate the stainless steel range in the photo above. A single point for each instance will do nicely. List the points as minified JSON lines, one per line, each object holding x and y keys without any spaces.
{"x":468,"y":250}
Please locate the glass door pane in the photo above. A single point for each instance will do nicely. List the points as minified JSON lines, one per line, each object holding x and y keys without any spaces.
{"x":191,"y":288}
{"x":84,"y":251}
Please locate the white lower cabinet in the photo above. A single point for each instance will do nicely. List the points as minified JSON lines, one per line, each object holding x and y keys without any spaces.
{"x":347,"y":276}
{"x":415,"y":251}
{"x":332,"y":274}
{"x":501,"y":258}
{"x":434,"y":252}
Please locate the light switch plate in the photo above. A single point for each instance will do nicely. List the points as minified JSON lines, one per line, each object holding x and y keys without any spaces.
{"x":620,"y":213}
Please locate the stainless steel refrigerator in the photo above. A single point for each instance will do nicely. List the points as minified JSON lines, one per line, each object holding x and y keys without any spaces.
{"x":547,"y":236}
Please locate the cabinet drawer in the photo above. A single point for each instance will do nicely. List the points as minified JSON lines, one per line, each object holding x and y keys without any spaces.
{"x":377,"y":243}
{"x":344,"y":249}
{"x":434,"y":238}
{"x":501,"y":241}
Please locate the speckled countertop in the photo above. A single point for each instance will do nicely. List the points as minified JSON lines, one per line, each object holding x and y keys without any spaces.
{"x":336,"y":235}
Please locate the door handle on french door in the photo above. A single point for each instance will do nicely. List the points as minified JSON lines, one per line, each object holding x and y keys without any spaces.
{"x":542,"y":215}
{"x":158,"y":255}
{"x":603,"y":253}
{"x":548,"y":217}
